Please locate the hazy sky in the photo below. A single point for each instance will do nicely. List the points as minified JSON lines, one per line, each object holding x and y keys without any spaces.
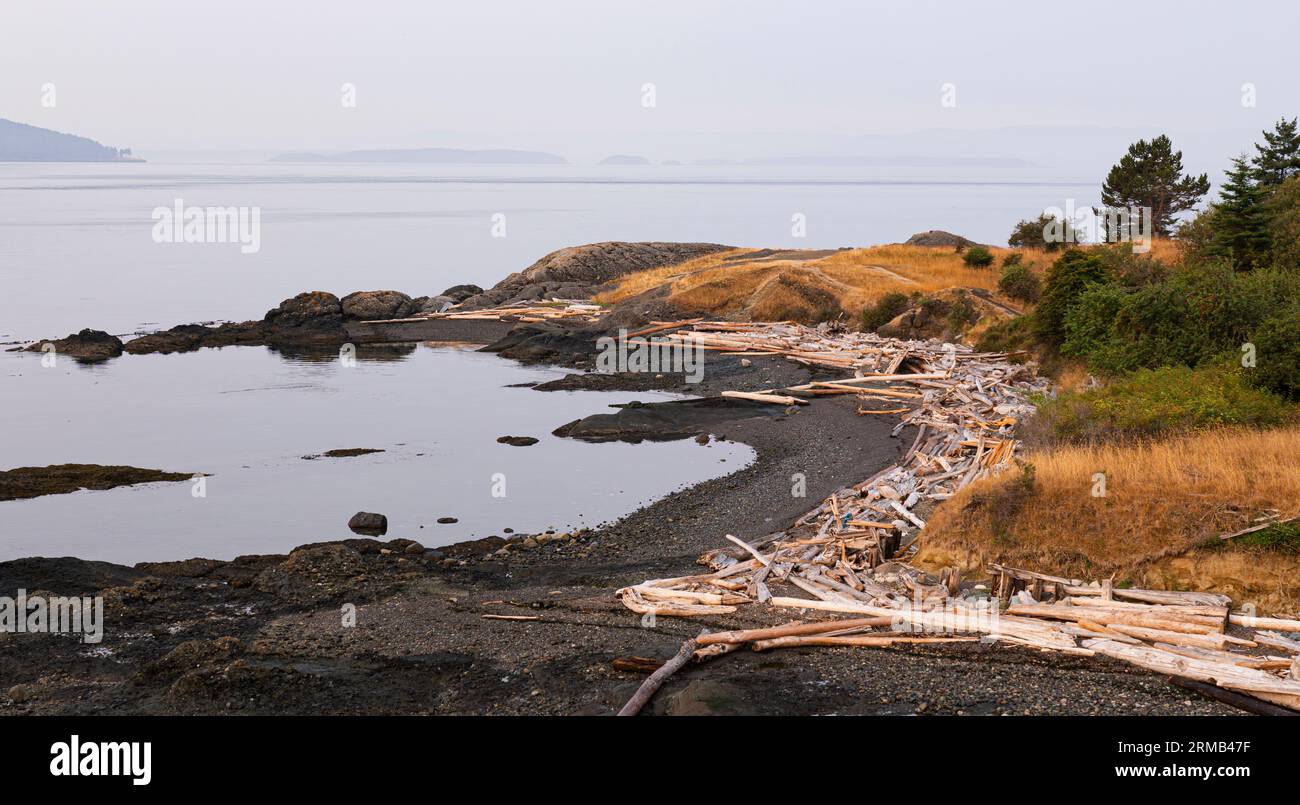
{"x":568,"y":75}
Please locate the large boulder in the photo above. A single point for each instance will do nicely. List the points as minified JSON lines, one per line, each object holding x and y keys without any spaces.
{"x":87,"y":346}
{"x":377,"y":305}
{"x":314,"y":317}
{"x":369,"y":523}
{"x":459,"y":293}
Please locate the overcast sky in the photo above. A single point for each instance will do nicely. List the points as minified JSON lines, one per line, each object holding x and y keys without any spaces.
{"x":268,"y":73}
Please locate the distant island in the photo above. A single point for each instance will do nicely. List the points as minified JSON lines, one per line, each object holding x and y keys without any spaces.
{"x":20,"y":142}
{"x":446,"y":156}
{"x":625,"y":159}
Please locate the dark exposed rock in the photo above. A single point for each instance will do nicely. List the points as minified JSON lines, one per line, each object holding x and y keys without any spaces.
{"x":189,"y":337}
{"x":369,"y":523}
{"x":57,"y":479}
{"x":87,"y":346}
{"x":431,"y":304}
{"x":678,"y":419}
{"x":517,"y":441}
{"x":314,"y":317}
{"x":459,"y":293}
{"x":375,"y":305}
{"x":546,"y":342}
{"x":346,"y":452}
{"x":448,"y":520}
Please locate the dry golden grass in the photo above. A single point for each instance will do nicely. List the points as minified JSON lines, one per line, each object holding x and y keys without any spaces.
{"x":756,"y":285}
{"x":1162,"y":499}
{"x":729,"y":283}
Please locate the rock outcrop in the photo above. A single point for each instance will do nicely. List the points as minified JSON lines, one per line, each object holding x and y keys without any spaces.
{"x":87,"y":346}
{"x":376,"y":305}
{"x":577,"y":272}
{"x":310,"y":319}
{"x":938,"y":237}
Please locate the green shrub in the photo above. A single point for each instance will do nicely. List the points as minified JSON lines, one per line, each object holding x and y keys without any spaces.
{"x":1020,"y":282}
{"x":885,"y":310}
{"x":978,"y":257}
{"x":1199,"y":313}
{"x":1277,"y":352}
{"x":1032,"y":233}
{"x":1012,"y":259}
{"x":1283,"y":214}
{"x":1067,"y":278}
{"x":1152,"y":402}
{"x":1128,"y":268}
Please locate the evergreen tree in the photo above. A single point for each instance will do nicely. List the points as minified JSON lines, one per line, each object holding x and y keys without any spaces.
{"x":1241,"y":222}
{"x":1151,"y":176}
{"x":1279,"y":158}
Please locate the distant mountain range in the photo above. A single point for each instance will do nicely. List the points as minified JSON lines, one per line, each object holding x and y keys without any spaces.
{"x":446,"y":156}
{"x":20,"y":142}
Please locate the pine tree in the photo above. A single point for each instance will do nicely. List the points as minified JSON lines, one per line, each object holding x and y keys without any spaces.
{"x":1279,"y":158}
{"x":1241,"y":222}
{"x":1150,"y":176}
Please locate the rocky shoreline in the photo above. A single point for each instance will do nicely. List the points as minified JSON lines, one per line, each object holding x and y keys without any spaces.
{"x":526,"y":624}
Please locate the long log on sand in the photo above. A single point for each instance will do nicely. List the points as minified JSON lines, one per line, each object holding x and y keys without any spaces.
{"x":1256,"y":683}
{"x":1231,"y":697}
{"x":655,"y":680}
{"x":1275,"y":640}
{"x":786,"y":630}
{"x":1254,"y":622}
{"x":878,"y":641}
{"x":948,"y":621}
{"x":774,"y":399}
{"x":1178,"y":638}
{"x":1189,"y":624}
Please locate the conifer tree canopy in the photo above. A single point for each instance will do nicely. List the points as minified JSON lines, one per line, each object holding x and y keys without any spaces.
{"x":1150,"y":176}
{"x":1278,"y":159}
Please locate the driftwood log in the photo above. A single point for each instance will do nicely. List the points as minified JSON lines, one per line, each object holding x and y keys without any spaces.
{"x":656,"y":680}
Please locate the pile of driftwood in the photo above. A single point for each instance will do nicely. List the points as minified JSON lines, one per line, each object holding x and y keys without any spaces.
{"x":849,"y":553}
{"x":573,"y":310}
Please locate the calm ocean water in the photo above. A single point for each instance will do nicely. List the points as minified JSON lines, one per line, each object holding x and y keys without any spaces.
{"x":77,"y":248}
